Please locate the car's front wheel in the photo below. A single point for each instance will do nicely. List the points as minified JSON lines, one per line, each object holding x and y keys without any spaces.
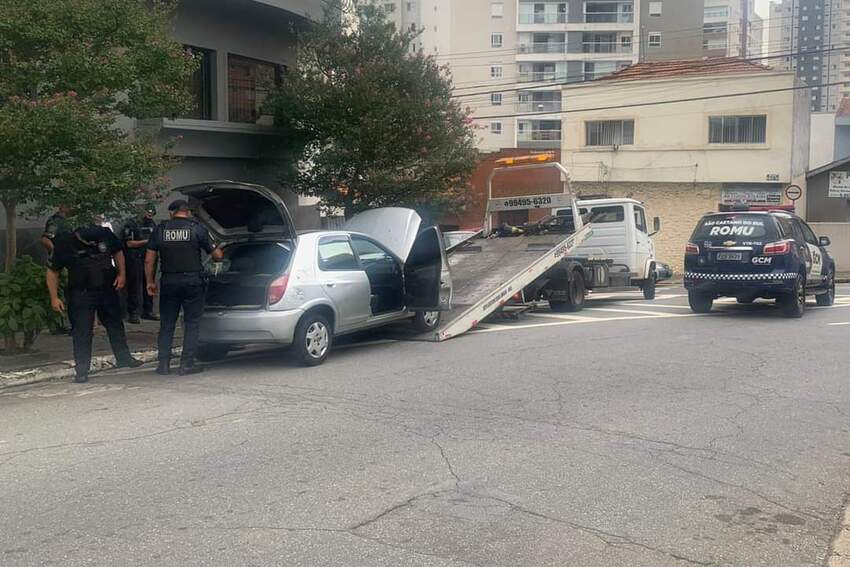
{"x":313,"y":339}
{"x":827,"y":298}
{"x":649,"y":286}
{"x":700,"y":302}
{"x":794,"y":303}
{"x":425,"y":321}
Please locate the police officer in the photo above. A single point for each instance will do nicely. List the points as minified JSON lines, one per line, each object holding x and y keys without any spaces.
{"x":179,"y":242}
{"x":55,"y":225}
{"x":136,"y":236}
{"x":93,"y":283}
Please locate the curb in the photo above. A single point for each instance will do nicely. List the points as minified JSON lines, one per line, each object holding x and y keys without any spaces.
{"x":65,"y":369}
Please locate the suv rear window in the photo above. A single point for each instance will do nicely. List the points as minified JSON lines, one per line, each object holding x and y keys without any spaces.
{"x":736,"y":227}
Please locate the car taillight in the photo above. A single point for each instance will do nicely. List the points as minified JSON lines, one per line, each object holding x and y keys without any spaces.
{"x":277,"y":288}
{"x":777,"y":248}
{"x":691,"y":249}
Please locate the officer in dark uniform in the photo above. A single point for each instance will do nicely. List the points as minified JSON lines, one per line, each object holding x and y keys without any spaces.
{"x":55,"y":225}
{"x":179,"y":242}
{"x":93,"y":283}
{"x":136,"y":236}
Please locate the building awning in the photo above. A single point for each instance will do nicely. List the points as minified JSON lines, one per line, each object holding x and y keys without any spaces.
{"x":827,"y":167}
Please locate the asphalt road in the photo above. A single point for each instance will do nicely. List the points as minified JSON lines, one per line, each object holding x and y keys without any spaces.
{"x":633,"y":434}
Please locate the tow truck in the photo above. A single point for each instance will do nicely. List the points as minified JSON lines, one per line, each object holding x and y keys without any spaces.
{"x":556,"y":259}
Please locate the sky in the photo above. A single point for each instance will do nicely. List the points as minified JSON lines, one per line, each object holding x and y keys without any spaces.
{"x":762,"y":7}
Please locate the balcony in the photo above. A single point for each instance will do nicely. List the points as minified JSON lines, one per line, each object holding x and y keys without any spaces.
{"x":538,"y":106}
{"x":607,"y":47}
{"x":542,"y":47}
{"x":542,"y":13}
{"x":609,"y":13}
{"x":542,"y":76}
{"x":539,"y":134}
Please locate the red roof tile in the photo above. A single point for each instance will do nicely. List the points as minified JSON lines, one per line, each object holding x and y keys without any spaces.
{"x":688,"y":67}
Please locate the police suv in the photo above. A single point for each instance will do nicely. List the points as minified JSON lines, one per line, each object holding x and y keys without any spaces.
{"x":750,"y":255}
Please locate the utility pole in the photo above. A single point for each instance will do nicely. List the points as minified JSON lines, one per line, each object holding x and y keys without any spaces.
{"x":745,"y":27}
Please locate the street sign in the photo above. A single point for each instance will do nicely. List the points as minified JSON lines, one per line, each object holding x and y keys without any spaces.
{"x":527,"y":202}
{"x":793,"y":192}
{"x":839,"y":184}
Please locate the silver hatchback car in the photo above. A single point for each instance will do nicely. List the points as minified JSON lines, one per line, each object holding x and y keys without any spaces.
{"x":278,"y":287}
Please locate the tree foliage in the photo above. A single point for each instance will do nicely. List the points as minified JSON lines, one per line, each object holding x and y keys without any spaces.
{"x":366,"y":122}
{"x":70,"y":69}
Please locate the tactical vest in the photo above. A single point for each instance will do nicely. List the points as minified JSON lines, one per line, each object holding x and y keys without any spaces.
{"x":179,"y":249}
{"x":91,"y":268}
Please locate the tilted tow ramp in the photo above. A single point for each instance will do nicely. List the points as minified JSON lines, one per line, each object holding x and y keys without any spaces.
{"x":487,"y":272}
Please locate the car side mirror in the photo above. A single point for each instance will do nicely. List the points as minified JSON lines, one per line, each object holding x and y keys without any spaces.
{"x":824,"y":241}
{"x":656,"y":226}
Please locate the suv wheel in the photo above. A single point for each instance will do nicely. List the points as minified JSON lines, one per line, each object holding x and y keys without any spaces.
{"x":425,"y":321}
{"x":313,"y":339}
{"x":828,"y":298}
{"x":649,"y":286}
{"x":700,"y":302}
{"x":794,"y":303}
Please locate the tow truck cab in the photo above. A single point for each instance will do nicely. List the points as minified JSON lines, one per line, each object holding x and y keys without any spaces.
{"x":622,"y":236}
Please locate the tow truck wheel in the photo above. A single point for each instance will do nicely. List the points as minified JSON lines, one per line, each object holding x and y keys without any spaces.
{"x":794,"y":303}
{"x":700,"y":302}
{"x":828,"y":298}
{"x":649,"y":286}
{"x":574,"y":299}
{"x":425,"y":321}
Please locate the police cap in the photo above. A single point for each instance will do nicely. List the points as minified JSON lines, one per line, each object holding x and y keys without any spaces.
{"x":150,"y":209}
{"x":178,"y":205}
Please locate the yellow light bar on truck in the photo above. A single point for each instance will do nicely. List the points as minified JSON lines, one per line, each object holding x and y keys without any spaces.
{"x":526,"y":160}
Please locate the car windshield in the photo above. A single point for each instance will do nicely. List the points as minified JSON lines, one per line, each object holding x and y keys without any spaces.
{"x":739,"y":228}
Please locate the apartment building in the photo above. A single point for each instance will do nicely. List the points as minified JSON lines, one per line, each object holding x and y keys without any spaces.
{"x":509,"y":57}
{"x":731,"y":28}
{"x":814,"y":34}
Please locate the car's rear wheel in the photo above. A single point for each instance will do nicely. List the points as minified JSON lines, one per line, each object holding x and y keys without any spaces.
{"x":425,"y":321}
{"x":700,"y":302}
{"x":313,"y":339}
{"x":207,"y":352}
{"x":649,"y":286}
{"x":574,"y":299}
{"x":827,"y":298}
{"x":794,"y":304}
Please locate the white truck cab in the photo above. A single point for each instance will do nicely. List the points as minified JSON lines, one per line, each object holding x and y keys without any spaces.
{"x":620,"y":234}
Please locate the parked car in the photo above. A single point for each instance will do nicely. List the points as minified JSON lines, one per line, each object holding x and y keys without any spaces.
{"x":278,"y":287}
{"x":663,"y":272}
{"x":750,"y":255}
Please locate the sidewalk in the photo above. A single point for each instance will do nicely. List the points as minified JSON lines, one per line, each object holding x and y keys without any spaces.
{"x":52,"y":357}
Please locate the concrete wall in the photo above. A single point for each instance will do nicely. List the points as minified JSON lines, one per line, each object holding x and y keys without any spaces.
{"x":822,"y":139}
{"x":839,"y":233}
{"x":675,"y":16}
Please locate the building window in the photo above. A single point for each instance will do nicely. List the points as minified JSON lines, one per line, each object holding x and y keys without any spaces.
{"x":201,"y":85}
{"x":496,"y":99}
{"x":496,"y":40}
{"x":543,"y":12}
{"x":610,"y":133}
{"x":655,"y":8}
{"x":716,"y":12}
{"x":655,"y":39}
{"x":496,"y":128}
{"x":389,"y":7}
{"x":411,"y":6}
{"x":714,"y":27}
{"x":737,"y":129}
{"x":249,"y":84}
{"x":495,"y":71}
{"x":497,"y":9}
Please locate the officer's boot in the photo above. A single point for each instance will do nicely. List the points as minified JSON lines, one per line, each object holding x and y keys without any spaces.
{"x":164,"y":367}
{"x":81,"y":378}
{"x":188,"y":367}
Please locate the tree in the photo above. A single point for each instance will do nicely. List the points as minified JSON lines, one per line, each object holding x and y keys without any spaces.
{"x":367,"y":123}
{"x":71,"y":68}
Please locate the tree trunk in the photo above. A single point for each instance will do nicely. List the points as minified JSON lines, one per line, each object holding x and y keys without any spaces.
{"x":11,"y":233}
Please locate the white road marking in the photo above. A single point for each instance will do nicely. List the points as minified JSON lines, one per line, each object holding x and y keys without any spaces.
{"x":500,"y":328}
{"x":639,"y":312}
{"x":633,"y":304}
{"x":838,"y":324}
{"x":561,"y":317}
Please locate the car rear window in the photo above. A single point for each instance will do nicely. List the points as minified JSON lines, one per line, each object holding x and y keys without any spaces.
{"x":738,"y":228}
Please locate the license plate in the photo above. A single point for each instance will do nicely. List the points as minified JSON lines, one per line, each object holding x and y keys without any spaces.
{"x":730,"y":256}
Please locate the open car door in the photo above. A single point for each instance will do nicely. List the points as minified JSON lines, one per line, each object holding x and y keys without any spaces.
{"x":427,"y":281}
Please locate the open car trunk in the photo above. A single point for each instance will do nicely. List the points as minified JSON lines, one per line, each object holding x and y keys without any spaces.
{"x":241,"y":281}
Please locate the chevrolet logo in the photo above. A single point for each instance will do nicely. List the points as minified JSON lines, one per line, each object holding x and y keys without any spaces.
{"x":729,"y":243}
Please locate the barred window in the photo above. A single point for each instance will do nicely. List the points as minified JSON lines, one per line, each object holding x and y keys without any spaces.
{"x":737,"y":129}
{"x":250,"y":83}
{"x":610,"y":133}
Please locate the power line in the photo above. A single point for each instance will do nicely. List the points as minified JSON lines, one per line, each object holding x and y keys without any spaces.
{"x":658,"y":103}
